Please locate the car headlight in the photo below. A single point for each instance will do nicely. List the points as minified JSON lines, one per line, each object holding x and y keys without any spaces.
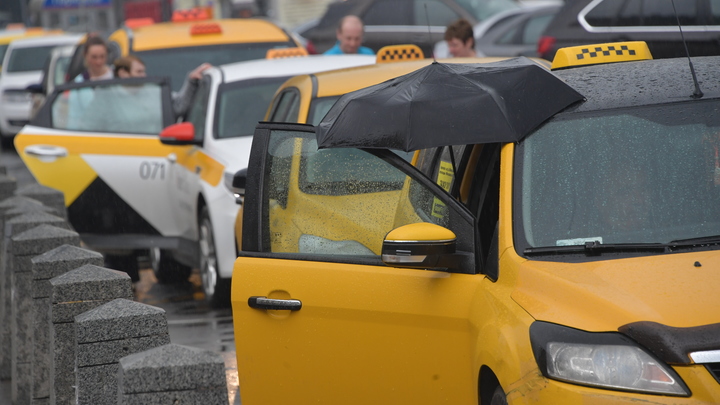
{"x":606,"y":360}
{"x":16,"y":96}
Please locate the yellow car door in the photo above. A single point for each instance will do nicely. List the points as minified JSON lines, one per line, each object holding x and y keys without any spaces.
{"x":317,"y":314}
{"x":97,"y":142}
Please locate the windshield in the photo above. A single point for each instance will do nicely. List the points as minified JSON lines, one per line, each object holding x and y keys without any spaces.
{"x":3,"y":48}
{"x":637,"y":175}
{"x":28,"y":59}
{"x":483,"y":9}
{"x":242,"y":105}
{"x":178,"y":62}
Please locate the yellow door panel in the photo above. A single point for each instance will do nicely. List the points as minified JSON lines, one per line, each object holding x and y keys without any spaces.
{"x":364,"y":324}
{"x":70,"y":174}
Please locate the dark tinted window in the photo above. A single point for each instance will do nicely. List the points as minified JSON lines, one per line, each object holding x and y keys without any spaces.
{"x":242,"y":105}
{"x":282,"y":108}
{"x":389,"y":12}
{"x":28,"y":59}
{"x":628,"y":13}
{"x":197,"y":114}
{"x":178,"y":62}
{"x":714,"y":13}
{"x":438,"y":13}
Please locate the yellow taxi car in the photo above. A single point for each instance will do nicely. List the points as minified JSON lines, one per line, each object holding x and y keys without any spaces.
{"x":176,"y":47}
{"x":578,"y":265}
{"x":307,"y":98}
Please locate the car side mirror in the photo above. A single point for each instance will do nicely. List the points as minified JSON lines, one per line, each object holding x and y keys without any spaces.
{"x":36,"y":88}
{"x":421,"y":246}
{"x":238,"y":184}
{"x":182,"y":133}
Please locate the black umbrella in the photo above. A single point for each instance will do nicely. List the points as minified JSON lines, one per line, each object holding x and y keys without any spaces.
{"x":447,"y":104}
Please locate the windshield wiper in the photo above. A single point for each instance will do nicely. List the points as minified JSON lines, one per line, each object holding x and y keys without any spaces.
{"x":597,"y":248}
{"x":692,"y":242}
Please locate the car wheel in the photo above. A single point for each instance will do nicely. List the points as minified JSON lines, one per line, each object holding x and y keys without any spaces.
{"x":126,"y":263}
{"x":166,"y":269}
{"x":216,"y":288}
{"x":498,"y":397}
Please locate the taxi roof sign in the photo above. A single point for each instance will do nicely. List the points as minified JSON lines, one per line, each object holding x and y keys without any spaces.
{"x":600,"y":53}
{"x":285,"y":53}
{"x":399,"y":53}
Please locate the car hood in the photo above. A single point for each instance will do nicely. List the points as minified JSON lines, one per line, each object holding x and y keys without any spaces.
{"x":679,"y":290}
{"x":20,"y":80}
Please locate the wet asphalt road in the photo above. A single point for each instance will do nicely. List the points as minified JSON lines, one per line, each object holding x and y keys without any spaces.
{"x":191,"y":322}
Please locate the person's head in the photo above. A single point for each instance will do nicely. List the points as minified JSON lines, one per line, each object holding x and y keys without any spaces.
{"x":460,"y":39}
{"x":350,"y":33}
{"x":95,"y":53}
{"x":129,"y":66}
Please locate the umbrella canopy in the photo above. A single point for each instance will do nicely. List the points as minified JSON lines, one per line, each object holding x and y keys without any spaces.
{"x":447,"y":104}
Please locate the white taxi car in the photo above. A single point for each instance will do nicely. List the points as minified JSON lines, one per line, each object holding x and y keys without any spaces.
{"x":127,"y":193}
{"x":230,"y":101}
{"x":22,"y":66}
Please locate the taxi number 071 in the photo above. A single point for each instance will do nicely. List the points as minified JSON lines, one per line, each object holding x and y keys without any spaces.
{"x":152,"y":170}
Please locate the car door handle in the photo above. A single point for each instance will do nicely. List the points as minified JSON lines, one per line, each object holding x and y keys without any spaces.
{"x":172,"y":158}
{"x":46,"y":153}
{"x":269,"y":303}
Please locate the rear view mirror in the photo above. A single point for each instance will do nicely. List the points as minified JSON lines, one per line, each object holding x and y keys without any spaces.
{"x":182,"y":133}
{"x":36,"y":88}
{"x":422,"y":246}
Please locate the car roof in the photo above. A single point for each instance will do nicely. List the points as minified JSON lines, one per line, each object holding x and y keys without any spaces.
{"x":337,"y":82}
{"x":177,"y":34}
{"x":628,"y":84}
{"x":291,"y":66}
{"x":60,"y":39}
{"x":7,"y":36}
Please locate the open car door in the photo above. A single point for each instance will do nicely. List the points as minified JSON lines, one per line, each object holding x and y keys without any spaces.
{"x":97,"y":142}
{"x":317,"y":314}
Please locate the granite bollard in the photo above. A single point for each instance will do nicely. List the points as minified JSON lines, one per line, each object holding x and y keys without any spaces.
{"x":172,"y":374}
{"x":5,"y":278}
{"x":46,"y":266}
{"x":106,"y":334}
{"x":24,"y":246}
{"x":73,"y":293}
{"x":49,"y":196}
{"x":8,"y":185}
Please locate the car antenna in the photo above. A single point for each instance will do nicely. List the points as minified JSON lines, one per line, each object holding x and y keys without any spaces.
{"x":429,"y":33}
{"x":697,"y":93}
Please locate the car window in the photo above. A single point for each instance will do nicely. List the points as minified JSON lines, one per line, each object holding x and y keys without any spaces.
{"x":319,"y":108}
{"x":655,"y":183}
{"x":61,"y":67}
{"x":242,"y":105}
{"x":534,"y":28}
{"x":116,"y":108}
{"x":287,"y":102}
{"x":178,"y":62}
{"x":437,"y":13}
{"x":389,"y":12}
{"x":343,"y":201}
{"x":714,"y":14}
{"x":197,"y":114}
{"x":628,"y":13}
{"x":28,"y":59}
{"x":3,"y":49}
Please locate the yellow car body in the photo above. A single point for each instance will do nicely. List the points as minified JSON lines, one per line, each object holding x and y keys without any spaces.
{"x":175,"y":48}
{"x":346,"y":319}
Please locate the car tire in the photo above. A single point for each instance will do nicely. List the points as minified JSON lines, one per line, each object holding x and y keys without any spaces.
{"x":216,"y":288}
{"x":498,"y":397}
{"x":127,"y":263}
{"x":166,"y":269}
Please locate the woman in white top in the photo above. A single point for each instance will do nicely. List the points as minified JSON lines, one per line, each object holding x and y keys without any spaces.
{"x":95,"y":52}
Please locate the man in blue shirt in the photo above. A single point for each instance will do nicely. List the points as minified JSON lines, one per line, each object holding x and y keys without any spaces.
{"x":349,"y":37}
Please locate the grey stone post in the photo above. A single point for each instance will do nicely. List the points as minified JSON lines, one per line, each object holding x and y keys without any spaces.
{"x":44,"y":267}
{"x":5,"y":278}
{"x":7,"y":186}
{"x":105,"y":335}
{"x":172,"y":374}
{"x":73,"y":293}
{"x":24,"y":247}
{"x":48,"y":196}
